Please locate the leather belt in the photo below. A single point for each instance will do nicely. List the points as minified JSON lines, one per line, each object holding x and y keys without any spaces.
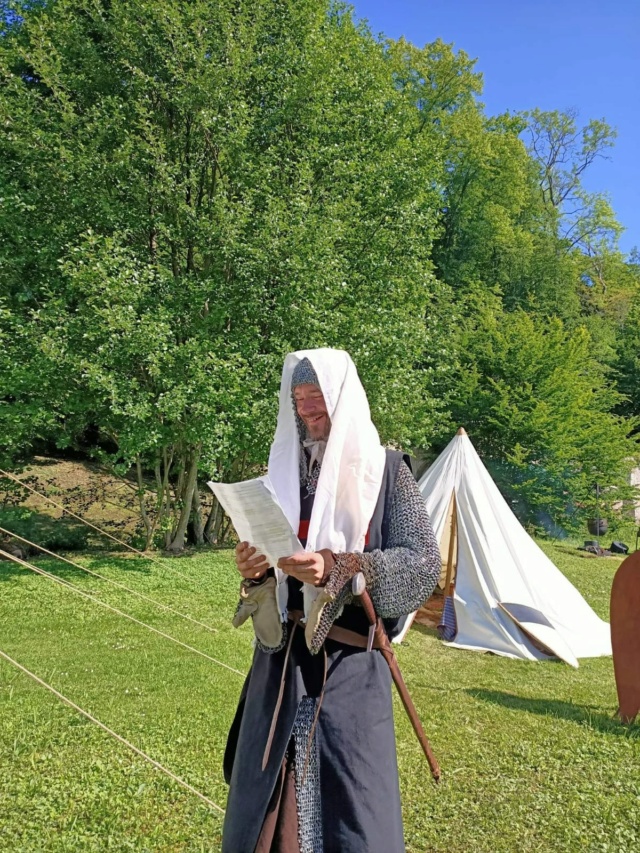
{"x":350,"y":638}
{"x":338,"y":634}
{"x":294,"y":617}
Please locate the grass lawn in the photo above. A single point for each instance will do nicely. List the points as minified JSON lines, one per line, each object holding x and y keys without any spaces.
{"x":531,"y":756}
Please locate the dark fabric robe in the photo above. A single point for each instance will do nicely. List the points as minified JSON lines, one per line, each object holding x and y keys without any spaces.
{"x":355,"y":735}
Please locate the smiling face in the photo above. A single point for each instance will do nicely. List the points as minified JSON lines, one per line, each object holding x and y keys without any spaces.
{"x":312,"y":409}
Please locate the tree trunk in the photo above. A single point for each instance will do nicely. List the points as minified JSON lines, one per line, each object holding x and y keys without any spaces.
{"x":167,"y":492}
{"x":148,"y":526}
{"x":213,"y":522}
{"x":179,"y":492}
{"x":190,"y":483}
{"x":217,"y":526}
{"x":218,"y":521}
{"x":224,"y":530}
{"x":198,"y":527}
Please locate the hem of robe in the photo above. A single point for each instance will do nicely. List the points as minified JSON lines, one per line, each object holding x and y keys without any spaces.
{"x":279,"y":833}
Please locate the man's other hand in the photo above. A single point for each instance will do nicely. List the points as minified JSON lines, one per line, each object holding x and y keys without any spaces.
{"x":311,"y":567}
{"x":251,"y":565}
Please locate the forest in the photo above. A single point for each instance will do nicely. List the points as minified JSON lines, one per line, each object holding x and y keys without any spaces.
{"x":191,"y":190}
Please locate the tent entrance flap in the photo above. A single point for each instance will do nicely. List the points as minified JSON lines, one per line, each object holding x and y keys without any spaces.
{"x":540,"y":631}
{"x":431,"y":613}
{"x":447,"y":626}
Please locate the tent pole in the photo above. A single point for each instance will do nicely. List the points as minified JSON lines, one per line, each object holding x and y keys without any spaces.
{"x":453,"y":535}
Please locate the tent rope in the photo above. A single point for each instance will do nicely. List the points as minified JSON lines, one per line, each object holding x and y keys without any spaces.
{"x":113,"y":734}
{"x":95,"y":527}
{"x":75,"y":589}
{"x":109,"y":580}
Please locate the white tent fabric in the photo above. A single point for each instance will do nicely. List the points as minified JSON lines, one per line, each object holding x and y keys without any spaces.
{"x":499,"y":562}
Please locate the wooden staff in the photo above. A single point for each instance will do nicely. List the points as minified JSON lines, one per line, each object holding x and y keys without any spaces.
{"x":453,"y":535}
{"x":359,"y":588}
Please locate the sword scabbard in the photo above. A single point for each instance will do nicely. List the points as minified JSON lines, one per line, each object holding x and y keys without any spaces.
{"x":383,"y":643}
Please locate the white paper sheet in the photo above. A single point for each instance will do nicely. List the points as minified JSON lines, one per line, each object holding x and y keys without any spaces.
{"x":258,"y":517}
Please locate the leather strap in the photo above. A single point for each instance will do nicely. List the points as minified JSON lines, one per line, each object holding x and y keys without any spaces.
{"x":350,"y":638}
{"x":276,"y":710}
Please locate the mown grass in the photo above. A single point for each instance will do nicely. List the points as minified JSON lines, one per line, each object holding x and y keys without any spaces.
{"x":532,"y":757}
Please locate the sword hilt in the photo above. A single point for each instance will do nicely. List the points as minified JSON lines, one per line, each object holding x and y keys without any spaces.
{"x":359,"y":588}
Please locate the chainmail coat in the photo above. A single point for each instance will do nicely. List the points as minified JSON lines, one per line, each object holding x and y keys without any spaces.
{"x":328,"y":717}
{"x":307,"y":784}
{"x":399,"y":579}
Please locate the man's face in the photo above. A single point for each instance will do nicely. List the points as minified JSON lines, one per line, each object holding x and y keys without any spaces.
{"x":312,"y":408}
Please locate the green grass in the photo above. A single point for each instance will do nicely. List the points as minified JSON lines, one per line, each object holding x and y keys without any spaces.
{"x":531,"y":756}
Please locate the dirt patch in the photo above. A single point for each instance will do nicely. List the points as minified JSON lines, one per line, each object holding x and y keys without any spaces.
{"x":430,"y":614}
{"x":84,"y":488}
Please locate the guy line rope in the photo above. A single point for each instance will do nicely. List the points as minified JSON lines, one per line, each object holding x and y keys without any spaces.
{"x":64,"y":699}
{"x":95,"y":527}
{"x":119,"y":612}
{"x":108,"y":580}
{"x":115,"y":735}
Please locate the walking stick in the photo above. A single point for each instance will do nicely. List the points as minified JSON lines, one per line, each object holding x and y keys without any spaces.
{"x":377,"y":632}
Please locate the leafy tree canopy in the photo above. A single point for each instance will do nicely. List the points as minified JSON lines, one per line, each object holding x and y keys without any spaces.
{"x":191,"y":190}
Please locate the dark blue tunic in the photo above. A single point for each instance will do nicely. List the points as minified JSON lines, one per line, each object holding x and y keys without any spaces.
{"x":355,"y":740}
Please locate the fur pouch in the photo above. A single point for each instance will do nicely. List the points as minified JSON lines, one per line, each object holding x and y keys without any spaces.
{"x":260,"y":602}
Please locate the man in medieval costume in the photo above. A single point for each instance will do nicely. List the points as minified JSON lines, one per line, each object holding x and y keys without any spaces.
{"x":311,"y":757}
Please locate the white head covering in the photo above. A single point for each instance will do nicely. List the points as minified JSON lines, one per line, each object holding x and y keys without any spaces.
{"x":353,"y":463}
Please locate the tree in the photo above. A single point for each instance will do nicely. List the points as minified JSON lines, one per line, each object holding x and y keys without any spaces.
{"x":486,"y":232}
{"x":537,"y":405}
{"x":628,"y":345}
{"x":497,"y":233}
{"x":585,"y":225}
{"x":197,"y":189}
{"x":192,"y":190}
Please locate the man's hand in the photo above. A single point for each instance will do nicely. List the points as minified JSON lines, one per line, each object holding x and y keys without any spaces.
{"x":310,"y":567}
{"x":250,"y":564}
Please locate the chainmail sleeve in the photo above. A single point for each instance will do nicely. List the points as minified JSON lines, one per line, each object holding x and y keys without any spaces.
{"x":401,"y":577}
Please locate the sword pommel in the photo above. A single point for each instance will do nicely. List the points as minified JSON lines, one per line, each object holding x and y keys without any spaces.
{"x":358,"y":584}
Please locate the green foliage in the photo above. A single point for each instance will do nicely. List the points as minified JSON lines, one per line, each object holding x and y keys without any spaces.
{"x":488,"y":224}
{"x":193,"y":190}
{"x":212,"y":187}
{"x":563,"y":152}
{"x":628,"y":364}
{"x":532,"y":396}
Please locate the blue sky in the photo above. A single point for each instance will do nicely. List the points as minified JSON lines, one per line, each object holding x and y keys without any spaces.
{"x":554,"y":55}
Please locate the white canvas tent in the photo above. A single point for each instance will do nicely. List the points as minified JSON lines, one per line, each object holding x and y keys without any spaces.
{"x":509,"y":598}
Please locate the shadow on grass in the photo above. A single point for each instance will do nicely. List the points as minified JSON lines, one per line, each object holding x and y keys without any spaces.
{"x":10,"y":570}
{"x":125,"y":564}
{"x":588,"y":715}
